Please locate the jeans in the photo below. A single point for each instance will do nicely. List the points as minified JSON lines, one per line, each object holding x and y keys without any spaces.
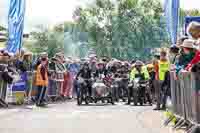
{"x":40,"y":98}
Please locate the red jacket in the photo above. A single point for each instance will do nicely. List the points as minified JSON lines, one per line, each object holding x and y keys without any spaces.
{"x":195,"y":60}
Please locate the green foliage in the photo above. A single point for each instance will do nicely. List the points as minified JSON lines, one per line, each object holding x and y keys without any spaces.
{"x":184,"y":13}
{"x":50,"y":41}
{"x":122,"y":29}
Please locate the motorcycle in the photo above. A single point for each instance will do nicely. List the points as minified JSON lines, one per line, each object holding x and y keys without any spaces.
{"x":83,"y":91}
{"x":102,"y":92}
{"x":121,"y":91}
{"x":138,"y":92}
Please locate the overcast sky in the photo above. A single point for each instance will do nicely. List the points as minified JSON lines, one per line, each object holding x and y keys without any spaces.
{"x":57,"y":11}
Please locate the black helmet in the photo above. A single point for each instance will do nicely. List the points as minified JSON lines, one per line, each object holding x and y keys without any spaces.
{"x":174,"y":49}
{"x":133,"y":61}
{"x":85,"y":63}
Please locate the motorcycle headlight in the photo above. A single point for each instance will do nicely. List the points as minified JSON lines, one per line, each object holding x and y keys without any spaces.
{"x":130,"y":85}
{"x":143,"y":85}
{"x":115,"y":86}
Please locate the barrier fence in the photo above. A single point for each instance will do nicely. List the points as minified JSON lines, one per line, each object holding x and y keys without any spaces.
{"x":20,"y":94}
{"x":185,"y":94}
{"x":3,"y":88}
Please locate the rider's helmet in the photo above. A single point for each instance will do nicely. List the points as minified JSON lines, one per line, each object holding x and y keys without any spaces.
{"x":85,"y":64}
{"x":139,"y":63}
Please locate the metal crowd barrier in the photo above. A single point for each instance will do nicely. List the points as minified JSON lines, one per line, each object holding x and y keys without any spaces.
{"x":195,"y":87}
{"x":3,"y":86}
{"x":185,"y":94}
{"x":53,"y":90}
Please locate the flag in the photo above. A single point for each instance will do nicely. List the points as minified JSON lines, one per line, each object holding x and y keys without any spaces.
{"x":171,"y":11}
{"x":15,"y":25}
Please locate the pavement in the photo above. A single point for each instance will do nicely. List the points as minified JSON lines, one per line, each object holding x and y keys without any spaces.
{"x":70,"y":118}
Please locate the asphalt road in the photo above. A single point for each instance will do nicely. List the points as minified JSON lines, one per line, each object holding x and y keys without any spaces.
{"x":70,"y":118}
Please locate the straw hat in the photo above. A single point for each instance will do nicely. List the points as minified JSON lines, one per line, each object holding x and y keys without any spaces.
{"x":44,"y":53}
{"x":59,"y":54}
{"x":54,"y":58}
{"x":100,"y":62}
{"x":180,"y":40}
{"x":188,"y":43}
{"x":194,"y":29}
{"x":28,"y":54}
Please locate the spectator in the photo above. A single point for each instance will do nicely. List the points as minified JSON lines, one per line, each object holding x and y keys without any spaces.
{"x":41,"y":82}
{"x":187,"y":53}
{"x":163,"y":68}
{"x":194,"y":61}
{"x":194,"y":30}
{"x":27,"y":61}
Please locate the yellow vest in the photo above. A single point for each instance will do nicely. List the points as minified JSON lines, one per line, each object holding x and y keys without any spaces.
{"x":39,"y":81}
{"x":164,"y":66}
{"x":143,"y":71}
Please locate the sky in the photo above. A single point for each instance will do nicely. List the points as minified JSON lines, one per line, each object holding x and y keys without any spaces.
{"x":56,"y":11}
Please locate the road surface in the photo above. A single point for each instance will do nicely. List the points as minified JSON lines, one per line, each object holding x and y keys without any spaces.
{"x":69,"y":118}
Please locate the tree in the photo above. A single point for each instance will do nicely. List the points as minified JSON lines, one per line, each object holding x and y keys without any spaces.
{"x":46,"y":40}
{"x":184,"y":13}
{"x":117,"y":29}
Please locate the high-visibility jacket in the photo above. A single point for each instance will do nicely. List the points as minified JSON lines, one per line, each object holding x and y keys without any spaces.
{"x":135,"y":72}
{"x":163,"y":67}
{"x":39,"y":80}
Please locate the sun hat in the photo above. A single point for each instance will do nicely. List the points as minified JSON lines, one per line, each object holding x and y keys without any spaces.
{"x":180,"y":40}
{"x":193,"y":29}
{"x":188,"y":43}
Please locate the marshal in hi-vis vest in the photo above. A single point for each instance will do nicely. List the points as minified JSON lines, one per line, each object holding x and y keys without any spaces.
{"x":164,"y":66}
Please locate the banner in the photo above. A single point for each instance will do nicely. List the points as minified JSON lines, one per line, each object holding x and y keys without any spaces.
{"x":15,"y":25}
{"x":171,"y":8}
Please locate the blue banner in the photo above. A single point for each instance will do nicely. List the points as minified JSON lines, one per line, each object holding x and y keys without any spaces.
{"x":15,"y":25}
{"x":172,"y":18}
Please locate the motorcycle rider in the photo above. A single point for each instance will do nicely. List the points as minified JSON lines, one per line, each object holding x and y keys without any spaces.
{"x":86,"y":73}
{"x":124,"y":80}
{"x":101,"y":70}
{"x":140,"y":71}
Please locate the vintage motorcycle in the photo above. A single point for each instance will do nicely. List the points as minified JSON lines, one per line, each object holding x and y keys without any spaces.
{"x":138,"y":92}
